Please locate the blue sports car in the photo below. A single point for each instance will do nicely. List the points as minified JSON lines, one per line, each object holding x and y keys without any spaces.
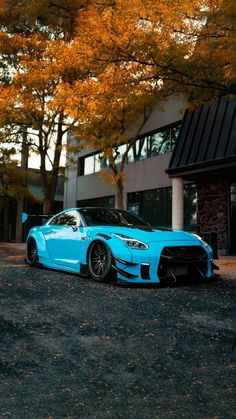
{"x":110,"y":244}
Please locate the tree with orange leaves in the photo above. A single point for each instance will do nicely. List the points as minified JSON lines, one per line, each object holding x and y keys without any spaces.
{"x":103,"y":63}
{"x":106,"y":106}
{"x":140,"y":52}
{"x":33,"y":38}
{"x":185,"y":46}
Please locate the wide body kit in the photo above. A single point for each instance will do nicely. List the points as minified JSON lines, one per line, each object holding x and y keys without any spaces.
{"x":125,"y":253}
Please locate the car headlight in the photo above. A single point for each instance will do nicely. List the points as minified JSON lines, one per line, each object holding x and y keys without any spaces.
{"x":201,"y":240}
{"x":132,"y":243}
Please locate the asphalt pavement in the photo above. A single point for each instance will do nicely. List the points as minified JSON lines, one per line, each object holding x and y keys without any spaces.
{"x":74,"y":348}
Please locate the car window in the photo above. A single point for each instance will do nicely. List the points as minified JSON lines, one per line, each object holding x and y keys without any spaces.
{"x":105,"y":216}
{"x":66,"y":218}
{"x":55,"y":220}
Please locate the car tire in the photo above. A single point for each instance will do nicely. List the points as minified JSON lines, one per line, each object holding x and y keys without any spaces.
{"x":32,"y":252}
{"x":100,"y":262}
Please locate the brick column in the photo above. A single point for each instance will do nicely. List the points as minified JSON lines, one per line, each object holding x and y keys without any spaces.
{"x":213,"y":211}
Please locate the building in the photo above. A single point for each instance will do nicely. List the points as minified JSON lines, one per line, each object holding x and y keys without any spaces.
{"x":181,"y":172}
{"x":205,"y":154}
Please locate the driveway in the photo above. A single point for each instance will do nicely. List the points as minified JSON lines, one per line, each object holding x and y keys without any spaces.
{"x":73,"y":348}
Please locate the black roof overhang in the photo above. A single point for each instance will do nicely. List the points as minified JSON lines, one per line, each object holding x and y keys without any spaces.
{"x":207,"y":140}
{"x":225,"y":167}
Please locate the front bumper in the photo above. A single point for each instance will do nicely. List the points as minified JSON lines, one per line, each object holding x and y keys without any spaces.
{"x":161,"y":263}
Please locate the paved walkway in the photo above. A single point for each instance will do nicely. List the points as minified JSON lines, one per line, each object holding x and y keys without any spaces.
{"x":227,"y":264}
{"x":12,"y":249}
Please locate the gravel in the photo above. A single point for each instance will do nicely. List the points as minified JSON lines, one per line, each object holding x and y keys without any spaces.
{"x":74,"y":348}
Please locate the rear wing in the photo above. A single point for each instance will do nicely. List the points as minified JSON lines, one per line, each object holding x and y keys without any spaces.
{"x":25,"y":217}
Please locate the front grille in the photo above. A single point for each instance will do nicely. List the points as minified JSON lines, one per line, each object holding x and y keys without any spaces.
{"x":182,"y":261}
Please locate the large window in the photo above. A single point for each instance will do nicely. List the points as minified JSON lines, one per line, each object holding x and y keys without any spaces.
{"x":105,"y":201}
{"x":155,"y":206}
{"x":91,"y":164}
{"x":138,"y":150}
{"x":153,"y":144}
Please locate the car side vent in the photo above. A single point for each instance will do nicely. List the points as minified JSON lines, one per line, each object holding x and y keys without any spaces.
{"x":145,"y":270}
{"x":104,"y":236}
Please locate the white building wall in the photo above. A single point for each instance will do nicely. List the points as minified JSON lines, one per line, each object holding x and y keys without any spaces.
{"x":140,"y":175}
{"x":70,"y":188}
{"x":165,"y":113}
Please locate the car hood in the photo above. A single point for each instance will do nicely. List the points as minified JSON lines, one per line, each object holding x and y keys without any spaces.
{"x":148,"y":234}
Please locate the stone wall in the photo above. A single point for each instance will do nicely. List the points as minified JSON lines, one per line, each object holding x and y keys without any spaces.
{"x":212,"y":213}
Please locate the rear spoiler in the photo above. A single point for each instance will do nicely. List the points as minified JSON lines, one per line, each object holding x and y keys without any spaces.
{"x":24,"y":216}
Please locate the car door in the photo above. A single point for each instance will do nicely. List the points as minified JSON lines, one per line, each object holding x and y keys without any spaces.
{"x":63,"y":238}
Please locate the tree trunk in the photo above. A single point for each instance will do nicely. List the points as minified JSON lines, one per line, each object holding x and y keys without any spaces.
{"x":19,"y":225}
{"x":118,"y":170}
{"x":47,"y":206}
{"x":21,"y":199}
{"x":6,"y":224}
{"x":49,"y":180}
{"x":120,"y":195}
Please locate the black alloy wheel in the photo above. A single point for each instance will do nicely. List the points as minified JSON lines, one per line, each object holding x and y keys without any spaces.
{"x":32,"y":252}
{"x":100,"y":262}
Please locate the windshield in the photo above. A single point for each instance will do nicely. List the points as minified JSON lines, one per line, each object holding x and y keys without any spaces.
{"x":114,"y":217}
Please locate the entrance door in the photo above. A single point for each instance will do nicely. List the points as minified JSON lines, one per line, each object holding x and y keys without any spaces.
{"x":233,"y":218}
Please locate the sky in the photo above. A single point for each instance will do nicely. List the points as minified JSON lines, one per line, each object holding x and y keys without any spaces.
{"x":34,"y":161}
